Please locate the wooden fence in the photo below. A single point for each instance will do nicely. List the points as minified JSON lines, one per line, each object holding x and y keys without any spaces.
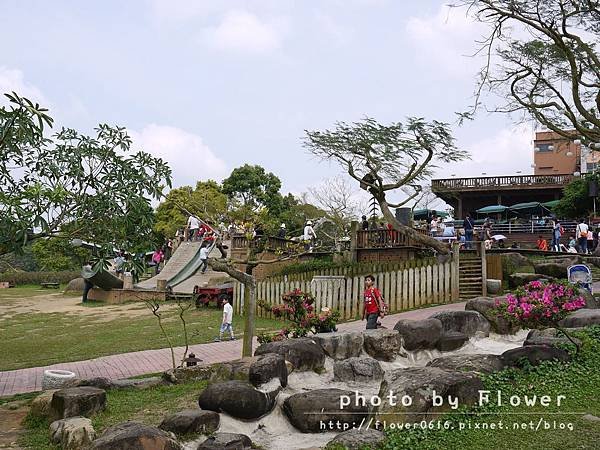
{"x":353,"y":270}
{"x":402,"y":289}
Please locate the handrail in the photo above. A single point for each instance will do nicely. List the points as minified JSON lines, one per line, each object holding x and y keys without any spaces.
{"x":501,"y":181}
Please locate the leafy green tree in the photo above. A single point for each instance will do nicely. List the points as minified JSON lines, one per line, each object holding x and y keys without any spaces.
{"x":384,"y":158}
{"x":207,"y":201}
{"x":58,"y":254}
{"x":542,"y":58}
{"x":576,"y":202}
{"x":251,"y":189}
{"x":76,"y":186}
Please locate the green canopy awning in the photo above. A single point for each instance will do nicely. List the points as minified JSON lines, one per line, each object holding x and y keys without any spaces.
{"x":528,"y":207}
{"x":551,"y":204}
{"x":493,"y":209}
{"x":422,"y":214}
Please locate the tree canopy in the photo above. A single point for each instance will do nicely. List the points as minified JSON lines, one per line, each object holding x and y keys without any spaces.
{"x":252,"y":188}
{"x":542,"y":58}
{"x":576,"y":201}
{"x":91,"y":187}
{"x":206,"y":200}
{"x":384,"y":158}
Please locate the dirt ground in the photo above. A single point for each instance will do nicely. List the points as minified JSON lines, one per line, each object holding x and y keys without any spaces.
{"x":11,"y":428}
{"x":58,"y":302}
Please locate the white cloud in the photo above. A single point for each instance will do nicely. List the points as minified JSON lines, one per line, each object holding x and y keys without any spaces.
{"x":13,"y":80}
{"x":445,"y":41}
{"x":190,"y":159}
{"x":504,"y":153}
{"x":243,"y":31}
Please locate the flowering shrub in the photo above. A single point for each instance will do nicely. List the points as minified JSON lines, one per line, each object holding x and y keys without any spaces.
{"x":541,"y":305}
{"x":298,"y":309}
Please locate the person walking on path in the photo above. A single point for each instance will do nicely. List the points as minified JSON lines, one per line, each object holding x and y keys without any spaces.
{"x":468,"y":225}
{"x":582,"y":235}
{"x":373,"y":307}
{"x":227,"y":319}
{"x":193,"y":225}
{"x":203,"y":258}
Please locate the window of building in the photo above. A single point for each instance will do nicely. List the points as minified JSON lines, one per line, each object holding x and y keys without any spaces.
{"x":544,"y":147}
{"x":592,"y":167}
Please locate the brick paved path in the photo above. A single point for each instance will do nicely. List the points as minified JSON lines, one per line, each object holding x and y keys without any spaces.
{"x":149,"y":361}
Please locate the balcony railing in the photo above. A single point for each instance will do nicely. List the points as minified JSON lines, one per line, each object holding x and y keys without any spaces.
{"x":509,"y":181}
{"x":268,"y":243}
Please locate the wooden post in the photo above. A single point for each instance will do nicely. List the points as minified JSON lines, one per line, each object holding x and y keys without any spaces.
{"x":353,"y":238}
{"x":483,"y":271}
{"x":455,"y":271}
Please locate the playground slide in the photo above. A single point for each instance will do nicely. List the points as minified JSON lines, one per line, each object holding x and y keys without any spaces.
{"x":189,"y":269}
{"x":182,"y":265}
{"x":104,"y":280}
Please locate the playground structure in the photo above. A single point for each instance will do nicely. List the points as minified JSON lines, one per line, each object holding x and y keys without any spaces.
{"x":178,"y":277}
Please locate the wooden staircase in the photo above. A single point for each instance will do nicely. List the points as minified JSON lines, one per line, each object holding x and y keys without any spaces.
{"x":470,"y":277}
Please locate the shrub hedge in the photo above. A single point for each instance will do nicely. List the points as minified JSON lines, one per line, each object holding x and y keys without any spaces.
{"x":21,"y":278}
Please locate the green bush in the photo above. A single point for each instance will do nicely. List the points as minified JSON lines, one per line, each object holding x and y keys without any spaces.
{"x":22,"y":278}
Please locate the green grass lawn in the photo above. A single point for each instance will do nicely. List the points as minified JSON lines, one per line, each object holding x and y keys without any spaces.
{"x":148,"y":406}
{"x":38,"y":339}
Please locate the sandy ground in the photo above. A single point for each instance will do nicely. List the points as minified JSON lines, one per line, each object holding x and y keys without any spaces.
{"x":11,"y":428}
{"x":67,"y":304}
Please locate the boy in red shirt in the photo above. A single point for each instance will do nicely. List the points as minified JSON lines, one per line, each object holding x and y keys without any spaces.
{"x":373,"y":303}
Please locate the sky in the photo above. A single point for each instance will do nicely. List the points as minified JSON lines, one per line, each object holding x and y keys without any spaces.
{"x":210,"y":85}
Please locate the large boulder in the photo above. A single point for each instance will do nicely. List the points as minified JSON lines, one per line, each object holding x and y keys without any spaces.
{"x":519,"y":279}
{"x":357,"y":369}
{"x":308,"y":411}
{"x":304,"y":353}
{"x":358,"y":439}
{"x":534,"y":354}
{"x":77,"y":401}
{"x":341,"y":345}
{"x":486,"y":307}
{"x":514,"y":260}
{"x":75,"y":286}
{"x":591,"y":302}
{"x":40,"y":406}
{"x":226,"y":441}
{"x":191,"y":421}
{"x":238,"y":369}
{"x":483,"y":363}
{"x":382,"y":344}
{"x":134,"y":436}
{"x":451,"y":340}
{"x":268,"y":367}
{"x":419,"y":334}
{"x":554,"y":269}
{"x":467,"y":322}
{"x":73,"y":433}
{"x":425,"y":387}
{"x":581,"y":318}
{"x":238,"y":399}
{"x":493,"y":287}
{"x":549,"y":336}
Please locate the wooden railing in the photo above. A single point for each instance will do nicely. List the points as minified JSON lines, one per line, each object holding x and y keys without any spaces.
{"x":271,"y":243}
{"x":384,"y":239}
{"x":510,"y":181}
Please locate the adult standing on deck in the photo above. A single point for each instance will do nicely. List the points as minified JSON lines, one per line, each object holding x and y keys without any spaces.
{"x":309,"y":236}
{"x":193,"y":225}
{"x":468,"y":226}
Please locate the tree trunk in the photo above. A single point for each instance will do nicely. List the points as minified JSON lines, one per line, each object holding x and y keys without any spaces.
{"x":414,"y":235}
{"x":249,"y":317}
